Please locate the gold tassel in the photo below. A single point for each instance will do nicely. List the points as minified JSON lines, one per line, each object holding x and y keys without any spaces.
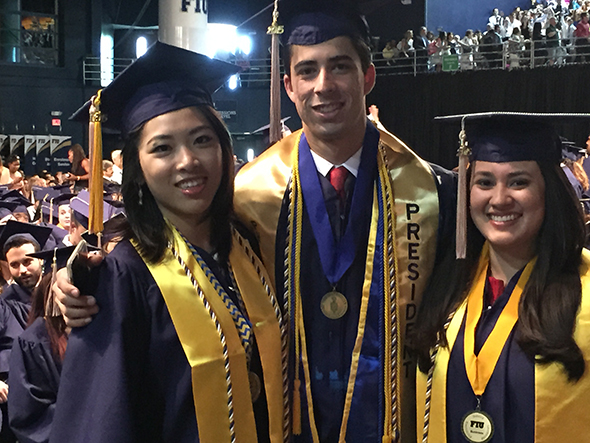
{"x":95,"y":187}
{"x":461,"y":230}
{"x":275,"y":129}
{"x":297,"y":407}
{"x":51,"y":308}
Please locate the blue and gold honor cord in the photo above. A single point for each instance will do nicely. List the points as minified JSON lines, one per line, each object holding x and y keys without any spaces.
{"x":243,"y":325}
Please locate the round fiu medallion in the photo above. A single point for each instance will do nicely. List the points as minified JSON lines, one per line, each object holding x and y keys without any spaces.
{"x":255,"y":386}
{"x":334,"y":305}
{"x":477,"y":427}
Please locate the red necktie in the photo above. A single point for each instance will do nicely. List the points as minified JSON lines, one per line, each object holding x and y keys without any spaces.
{"x":337,"y":178}
{"x":496,"y":287}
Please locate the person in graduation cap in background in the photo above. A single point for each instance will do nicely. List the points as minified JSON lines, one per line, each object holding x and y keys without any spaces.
{"x":36,"y":359}
{"x":21,"y":211}
{"x":572,"y":164}
{"x":17,"y":240}
{"x":80,"y":209}
{"x":187,"y":320}
{"x":503,"y":335}
{"x":337,"y":206}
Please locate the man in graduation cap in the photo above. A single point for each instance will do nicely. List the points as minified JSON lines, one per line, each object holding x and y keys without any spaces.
{"x":18,"y":240}
{"x":347,"y":217}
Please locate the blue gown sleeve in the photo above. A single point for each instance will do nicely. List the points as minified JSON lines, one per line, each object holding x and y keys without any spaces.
{"x":103,"y":395}
{"x":33,"y":385}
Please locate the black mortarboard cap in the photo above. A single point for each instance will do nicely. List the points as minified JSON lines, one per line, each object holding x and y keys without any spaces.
{"x":40,"y":192}
{"x":570,"y":151}
{"x":7,"y":208}
{"x":38,"y":234}
{"x":61,"y":254}
{"x":500,"y":137}
{"x":164,"y":79}
{"x":15,"y":196}
{"x":60,"y":200}
{"x":311,"y":22}
{"x":80,"y":209}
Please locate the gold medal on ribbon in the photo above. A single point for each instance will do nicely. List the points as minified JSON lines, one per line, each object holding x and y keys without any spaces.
{"x":334,"y":305}
{"x":255,"y":385}
{"x":477,"y":427}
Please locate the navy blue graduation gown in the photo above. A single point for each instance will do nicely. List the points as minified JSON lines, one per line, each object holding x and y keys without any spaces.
{"x":510,"y":395}
{"x":34,"y":381}
{"x":330,"y":342}
{"x":125,"y":376}
{"x":18,"y":299}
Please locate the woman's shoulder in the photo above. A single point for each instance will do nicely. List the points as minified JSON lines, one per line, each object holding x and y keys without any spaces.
{"x":35,"y":335}
{"x":124,"y":265}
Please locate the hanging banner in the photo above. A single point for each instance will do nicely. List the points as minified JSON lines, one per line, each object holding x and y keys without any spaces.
{"x":29,"y":161}
{"x":17,"y":145}
{"x":60,"y":145}
{"x":43,"y":153}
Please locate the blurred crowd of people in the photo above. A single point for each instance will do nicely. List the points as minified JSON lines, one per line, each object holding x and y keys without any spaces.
{"x":549,"y":33}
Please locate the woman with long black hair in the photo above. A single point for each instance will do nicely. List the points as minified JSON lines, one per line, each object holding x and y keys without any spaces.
{"x":503,"y":336}
{"x":187,"y":345}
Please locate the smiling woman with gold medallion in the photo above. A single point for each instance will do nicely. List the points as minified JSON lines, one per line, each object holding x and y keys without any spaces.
{"x":503,"y":334}
{"x":187,"y":323}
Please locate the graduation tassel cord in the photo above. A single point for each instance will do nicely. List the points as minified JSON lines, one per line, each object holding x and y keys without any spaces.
{"x":95,"y":188}
{"x":461,"y":233}
{"x":275,"y":77}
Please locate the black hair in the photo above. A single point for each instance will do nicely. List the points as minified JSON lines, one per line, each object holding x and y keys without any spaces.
{"x":550,"y":300}
{"x":146,"y":223}
{"x":12,"y":158}
{"x":360,"y":45}
{"x":78,"y":154}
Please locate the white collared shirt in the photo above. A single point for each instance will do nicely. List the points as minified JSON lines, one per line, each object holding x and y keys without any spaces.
{"x":324,"y":166}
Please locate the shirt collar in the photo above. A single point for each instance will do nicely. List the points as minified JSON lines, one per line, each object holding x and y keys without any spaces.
{"x":324,"y":166}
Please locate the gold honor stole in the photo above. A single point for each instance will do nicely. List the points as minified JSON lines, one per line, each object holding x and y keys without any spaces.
{"x":208,"y":335}
{"x":560,"y":406}
{"x":260,"y":188}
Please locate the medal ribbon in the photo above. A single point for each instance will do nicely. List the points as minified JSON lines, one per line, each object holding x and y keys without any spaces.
{"x":336,"y":258}
{"x":481,"y":367}
{"x":294,"y":260}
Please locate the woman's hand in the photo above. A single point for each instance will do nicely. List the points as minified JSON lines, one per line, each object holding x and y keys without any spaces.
{"x":3,"y":392}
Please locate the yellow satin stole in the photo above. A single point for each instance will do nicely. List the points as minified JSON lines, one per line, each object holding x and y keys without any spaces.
{"x":560,"y":406}
{"x":260,"y":188}
{"x":200,"y":339}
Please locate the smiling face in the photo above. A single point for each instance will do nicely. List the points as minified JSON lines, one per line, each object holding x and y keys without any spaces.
{"x":180,"y":156}
{"x":508,"y":205}
{"x":328,"y":87}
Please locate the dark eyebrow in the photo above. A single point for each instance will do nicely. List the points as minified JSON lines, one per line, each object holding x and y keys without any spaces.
{"x":335,"y":59}
{"x":510,"y":174}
